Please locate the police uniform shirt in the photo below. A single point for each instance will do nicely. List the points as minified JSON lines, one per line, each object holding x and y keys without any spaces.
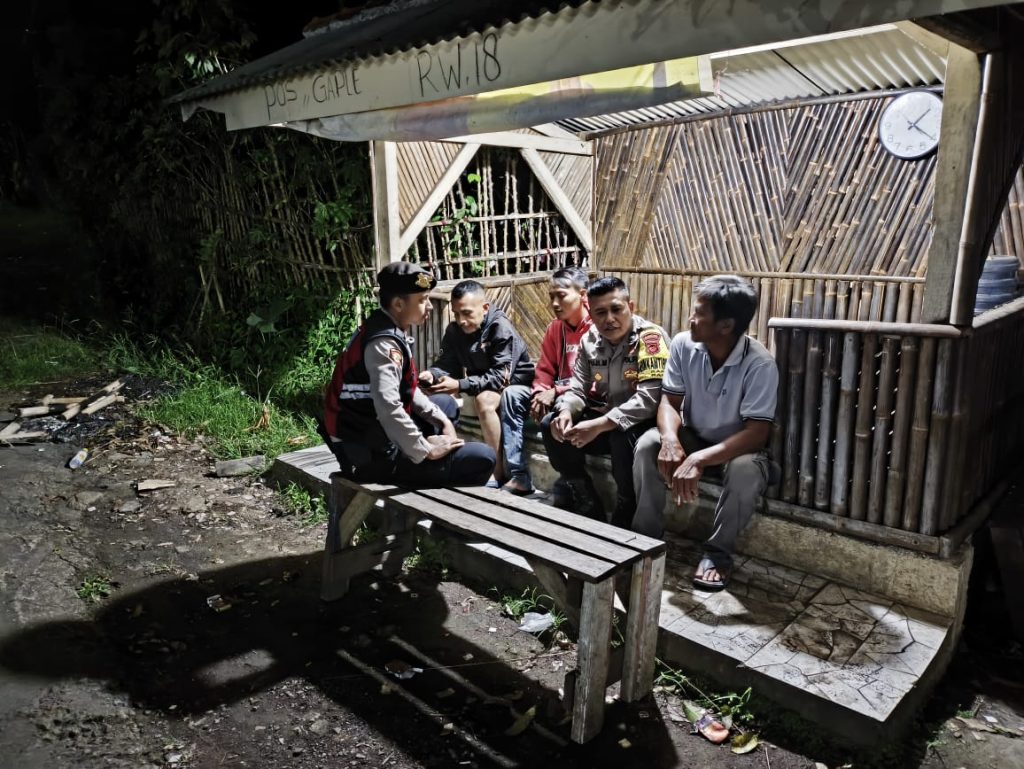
{"x":384,"y":362}
{"x":717,"y":403}
{"x":623,"y":380}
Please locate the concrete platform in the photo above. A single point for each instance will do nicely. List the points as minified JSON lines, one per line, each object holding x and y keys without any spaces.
{"x":859,"y":663}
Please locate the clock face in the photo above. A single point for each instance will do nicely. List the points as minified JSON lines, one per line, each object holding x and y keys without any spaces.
{"x":910,"y":124}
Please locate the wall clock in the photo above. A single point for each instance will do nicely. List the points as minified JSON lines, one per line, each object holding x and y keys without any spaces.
{"x":909,"y":128}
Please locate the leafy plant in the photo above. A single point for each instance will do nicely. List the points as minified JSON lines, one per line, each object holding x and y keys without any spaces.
{"x":431,"y":556}
{"x":94,"y":589}
{"x":312,"y":508}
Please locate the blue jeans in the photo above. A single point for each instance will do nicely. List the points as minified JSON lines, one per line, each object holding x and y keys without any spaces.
{"x":515,"y":408}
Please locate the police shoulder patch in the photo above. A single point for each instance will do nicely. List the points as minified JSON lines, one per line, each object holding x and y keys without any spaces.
{"x":652,"y":355}
{"x":396,"y":356}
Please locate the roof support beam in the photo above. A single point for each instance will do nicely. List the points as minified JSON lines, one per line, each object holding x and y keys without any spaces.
{"x":981,"y":149}
{"x":554,"y":190}
{"x":527,"y":141}
{"x":384,"y":181}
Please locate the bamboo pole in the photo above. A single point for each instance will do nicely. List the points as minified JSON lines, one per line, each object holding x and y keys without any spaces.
{"x":867,"y":394}
{"x":797,"y":363}
{"x":951,"y":494}
{"x":895,"y":483}
{"x":883,"y":424}
{"x":809,"y":418}
{"x":935,"y":467}
{"x":840,"y":504}
{"x":827,"y":420}
{"x":782,"y":346}
{"x":919,"y":435}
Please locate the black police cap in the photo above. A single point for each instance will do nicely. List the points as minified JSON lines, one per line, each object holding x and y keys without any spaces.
{"x":405,"y":278}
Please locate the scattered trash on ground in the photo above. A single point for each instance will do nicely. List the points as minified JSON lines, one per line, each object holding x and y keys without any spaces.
{"x":744,"y":743}
{"x":153,"y":484}
{"x":78,"y":459}
{"x":534,"y":622}
{"x":704,"y":723}
{"x":218,"y":603}
{"x":522,"y":721}
{"x":401,"y":670}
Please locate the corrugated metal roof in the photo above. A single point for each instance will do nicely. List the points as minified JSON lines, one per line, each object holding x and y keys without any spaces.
{"x":398,"y":26}
{"x":874,"y":59}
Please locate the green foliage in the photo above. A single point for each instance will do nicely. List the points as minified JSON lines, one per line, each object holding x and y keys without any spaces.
{"x":312,"y":508}
{"x":31,"y":354}
{"x":431,"y":556}
{"x":94,"y":589}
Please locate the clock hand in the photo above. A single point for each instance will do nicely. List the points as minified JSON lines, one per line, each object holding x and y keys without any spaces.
{"x":914,"y":124}
{"x":915,"y":127}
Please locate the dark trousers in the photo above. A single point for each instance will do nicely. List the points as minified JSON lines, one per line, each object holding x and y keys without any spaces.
{"x":469,"y":465}
{"x":570,"y":462}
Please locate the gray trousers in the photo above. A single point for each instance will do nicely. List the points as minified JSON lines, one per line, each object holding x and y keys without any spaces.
{"x":744,"y":480}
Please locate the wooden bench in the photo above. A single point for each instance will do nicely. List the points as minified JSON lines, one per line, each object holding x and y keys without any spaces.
{"x":579,"y":562}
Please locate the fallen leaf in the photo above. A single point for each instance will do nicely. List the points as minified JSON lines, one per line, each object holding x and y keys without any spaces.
{"x":744,"y":743}
{"x":521,"y":722}
{"x":625,"y":743}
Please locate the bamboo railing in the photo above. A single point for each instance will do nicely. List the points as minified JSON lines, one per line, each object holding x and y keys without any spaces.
{"x":899,"y":425}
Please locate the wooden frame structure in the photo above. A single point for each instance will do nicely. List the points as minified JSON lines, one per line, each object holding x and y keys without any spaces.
{"x":898,"y":413}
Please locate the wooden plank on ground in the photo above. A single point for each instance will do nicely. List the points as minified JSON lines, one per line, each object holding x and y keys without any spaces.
{"x":535,"y":526}
{"x":570,"y":561}
{"x":606,"y":531}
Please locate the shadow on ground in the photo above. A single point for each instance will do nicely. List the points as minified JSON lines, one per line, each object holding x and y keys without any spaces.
{"x":171,"y":652}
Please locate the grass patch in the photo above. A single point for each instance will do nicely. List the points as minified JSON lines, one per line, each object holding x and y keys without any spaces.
{"x":33,"y":354}
{"x":211,"y":403}
{"x":237,"y":423}
{"x":312,"y":508}
{"x":94,"y":589}
{"x":431,"y":556}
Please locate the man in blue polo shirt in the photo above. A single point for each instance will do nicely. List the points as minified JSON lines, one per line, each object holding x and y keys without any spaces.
{"x":715,"y":416}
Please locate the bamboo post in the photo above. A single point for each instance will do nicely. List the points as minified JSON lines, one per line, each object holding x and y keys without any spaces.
{"x":919,"y":435}
{"x":895,"y":483}
{"x":809,"y":418}
{"x":937,"y":445}
{"x":839,"y":504}
{"x":782,"y":338}
{"x":797,"y":363}
{"x":862,"y":433}
{"x":827,"y":421}
{"x":883,"y":424}
{"x":952,"y":490}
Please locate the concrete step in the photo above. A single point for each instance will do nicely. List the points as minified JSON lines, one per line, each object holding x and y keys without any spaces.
{"x":858,"y":663}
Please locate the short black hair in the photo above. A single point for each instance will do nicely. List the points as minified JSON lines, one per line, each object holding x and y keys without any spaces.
{"x":606,"y":285}
{"x":574,"y":276}
{"x":731,"y":297}
{"x":385,"y":298}
{"x":466,"y":287}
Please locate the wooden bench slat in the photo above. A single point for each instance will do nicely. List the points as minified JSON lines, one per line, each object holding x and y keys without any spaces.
{"x":570,"y":561}
{"x":535,"y":525}
{"x":622,"y":537}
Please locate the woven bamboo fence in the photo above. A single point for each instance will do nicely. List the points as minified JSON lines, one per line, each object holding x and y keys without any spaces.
{"x":496,"y":220}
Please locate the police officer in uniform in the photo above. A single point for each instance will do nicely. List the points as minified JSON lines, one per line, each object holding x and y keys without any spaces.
{"x":379,"y":424}
{"x":611,"y":402}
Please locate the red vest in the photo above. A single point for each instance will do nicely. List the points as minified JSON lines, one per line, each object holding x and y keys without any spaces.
{"x":348,"y":405}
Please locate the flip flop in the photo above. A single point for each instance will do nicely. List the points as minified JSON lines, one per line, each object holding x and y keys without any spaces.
{"x":705,"y":724}
{"x":515,"y":488}
{"x":710,"y":585}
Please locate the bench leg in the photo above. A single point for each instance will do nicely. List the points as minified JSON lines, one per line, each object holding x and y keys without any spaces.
{"x":566,"y":592}
{"x":348,"y":510}
{"x":403,"y":527}
{"x":594,"y":647}
{"x":642,"y":627}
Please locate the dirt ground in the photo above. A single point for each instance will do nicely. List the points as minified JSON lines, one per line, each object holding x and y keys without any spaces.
{"x":160,"y":673}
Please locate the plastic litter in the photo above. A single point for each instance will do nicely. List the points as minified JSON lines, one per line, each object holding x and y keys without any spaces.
{"x":78,"y":459}
{"x":536,"y":623}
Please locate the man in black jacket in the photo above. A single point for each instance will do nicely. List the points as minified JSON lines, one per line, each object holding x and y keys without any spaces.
{"x":481,"y":354}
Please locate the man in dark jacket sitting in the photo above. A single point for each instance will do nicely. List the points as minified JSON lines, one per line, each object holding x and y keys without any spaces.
{"x":481,"y":354}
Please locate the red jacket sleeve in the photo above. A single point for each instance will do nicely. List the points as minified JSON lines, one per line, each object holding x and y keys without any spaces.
{"x":550,"y":352}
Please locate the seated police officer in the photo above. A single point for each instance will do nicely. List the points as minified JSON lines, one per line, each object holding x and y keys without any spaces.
{"x":379,"y":424}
